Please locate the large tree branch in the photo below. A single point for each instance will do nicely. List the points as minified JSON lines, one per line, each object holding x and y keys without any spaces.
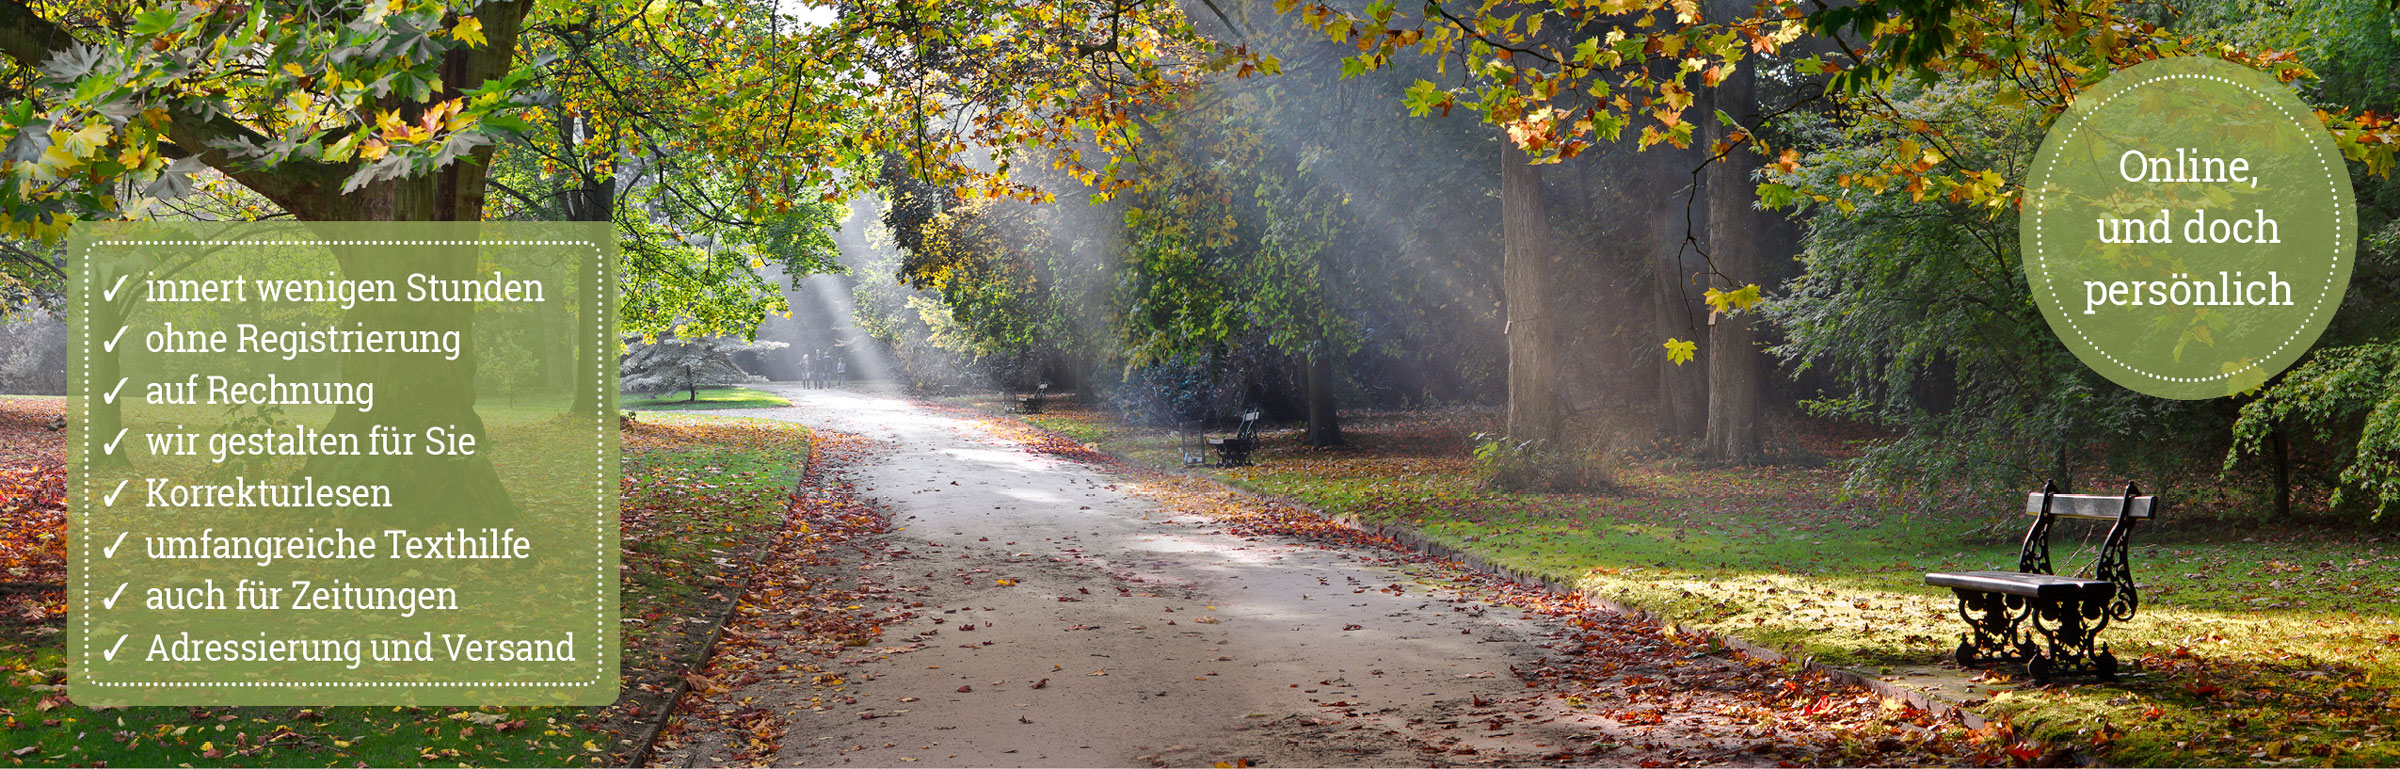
{"x":10,"y":252}
{"x":29,"y":38}
{"x":296,"y":185}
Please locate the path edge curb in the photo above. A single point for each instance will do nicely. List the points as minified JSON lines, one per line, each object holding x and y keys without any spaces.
{"x":652,"y":727}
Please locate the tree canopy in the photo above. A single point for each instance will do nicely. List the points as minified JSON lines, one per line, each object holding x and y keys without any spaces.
{"x":1242,"y":192}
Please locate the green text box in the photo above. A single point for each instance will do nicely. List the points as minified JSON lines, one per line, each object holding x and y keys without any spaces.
{"x":343,"y":464}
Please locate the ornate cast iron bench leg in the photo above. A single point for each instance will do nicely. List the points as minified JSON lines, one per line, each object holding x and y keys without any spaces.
{"x":2068,"y":628}
{"x":1992,"y":621}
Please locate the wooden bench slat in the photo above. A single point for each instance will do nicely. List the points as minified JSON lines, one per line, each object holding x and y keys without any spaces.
{"x":2042,"y":586}
{"x":2093,"y":506}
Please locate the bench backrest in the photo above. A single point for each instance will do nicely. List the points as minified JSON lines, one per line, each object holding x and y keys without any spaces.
{"x":2114,"y":562}
{"x":2102,"y":507}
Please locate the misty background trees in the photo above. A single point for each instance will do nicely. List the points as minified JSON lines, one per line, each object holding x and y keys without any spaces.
{"x":686,"y":365}
{"x":1300,"y":236}
{"x":1661,"y":226}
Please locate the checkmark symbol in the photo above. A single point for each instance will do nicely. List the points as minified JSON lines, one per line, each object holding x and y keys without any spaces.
{"x":111,"y":603}
{"x":111,"y":550}
{"x":111,"y":497}
{"x":111,"y":293}
{"x":111,"y":448}
{"x":111,"y":346}
{"x":111,"y":654}
{"x":111,"y":397}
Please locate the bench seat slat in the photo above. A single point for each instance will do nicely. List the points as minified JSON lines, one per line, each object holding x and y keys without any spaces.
{"x":2094,"y":506}
{"x":2041,"y":586}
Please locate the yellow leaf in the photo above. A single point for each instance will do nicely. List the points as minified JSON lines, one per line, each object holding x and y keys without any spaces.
{"x":83,"y":142}
{"x":1731,"y":301}
{"x":469,"y":30}
{"x":1679,"y":351}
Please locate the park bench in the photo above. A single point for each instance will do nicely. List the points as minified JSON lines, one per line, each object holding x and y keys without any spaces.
{"x":1031,"y":403}
{"x":1234,"y":450}
{"x":2065,"y":612}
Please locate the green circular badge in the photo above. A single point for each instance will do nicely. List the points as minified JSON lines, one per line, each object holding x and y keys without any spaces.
{"x":2187,"y":228}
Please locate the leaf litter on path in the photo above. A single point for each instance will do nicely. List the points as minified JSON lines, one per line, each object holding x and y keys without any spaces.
{"x":800,"y":605}
{"x":1653,"y":697}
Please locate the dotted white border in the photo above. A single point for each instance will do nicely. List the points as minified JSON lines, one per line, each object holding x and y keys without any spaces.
{"x":600,"y":585}
{"x":2041,"y":205}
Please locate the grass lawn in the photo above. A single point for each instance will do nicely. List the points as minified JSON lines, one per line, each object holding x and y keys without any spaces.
{"x":2256,"y":644}
{"x":710,"y":398}
{"x":699,"y":494}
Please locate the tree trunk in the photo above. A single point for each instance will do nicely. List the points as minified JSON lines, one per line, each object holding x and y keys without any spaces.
{"x":1682,"y":413}
{"x":1525,"y":282}
{"x":439,"y":396}
{"x":597,"y":202}
{"x":1324,"y":421}
{"x":2282,"y":449}
{"x":1735,"y":365}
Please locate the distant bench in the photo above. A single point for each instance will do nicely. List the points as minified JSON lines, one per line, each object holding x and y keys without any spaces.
{"x":1234,"y":450}
{"x":2066,"y":612}
{"x":1031,"y":403}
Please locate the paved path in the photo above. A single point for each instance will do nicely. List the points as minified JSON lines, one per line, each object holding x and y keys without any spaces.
{"x":1133,"y":636}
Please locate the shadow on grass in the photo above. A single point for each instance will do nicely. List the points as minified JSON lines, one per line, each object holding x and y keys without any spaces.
{"x":708,"y":398}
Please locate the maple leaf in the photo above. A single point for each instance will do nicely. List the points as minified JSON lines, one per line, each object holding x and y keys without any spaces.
{"x":1680,"y":352}
{"x":1788,"y":162}
{"x":469,"y":30}
{"x":1733,"y":301}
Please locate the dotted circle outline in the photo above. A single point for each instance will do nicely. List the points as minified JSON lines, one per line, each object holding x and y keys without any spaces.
{"x":600,"y":634}
{"x":2041,"y":205}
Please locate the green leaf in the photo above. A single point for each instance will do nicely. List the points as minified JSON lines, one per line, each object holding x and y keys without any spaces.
{"x":156,"y":20}
{"x":1774,"y":195}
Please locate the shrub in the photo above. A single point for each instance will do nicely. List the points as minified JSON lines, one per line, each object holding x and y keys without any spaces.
{"x":1503,"y":464}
